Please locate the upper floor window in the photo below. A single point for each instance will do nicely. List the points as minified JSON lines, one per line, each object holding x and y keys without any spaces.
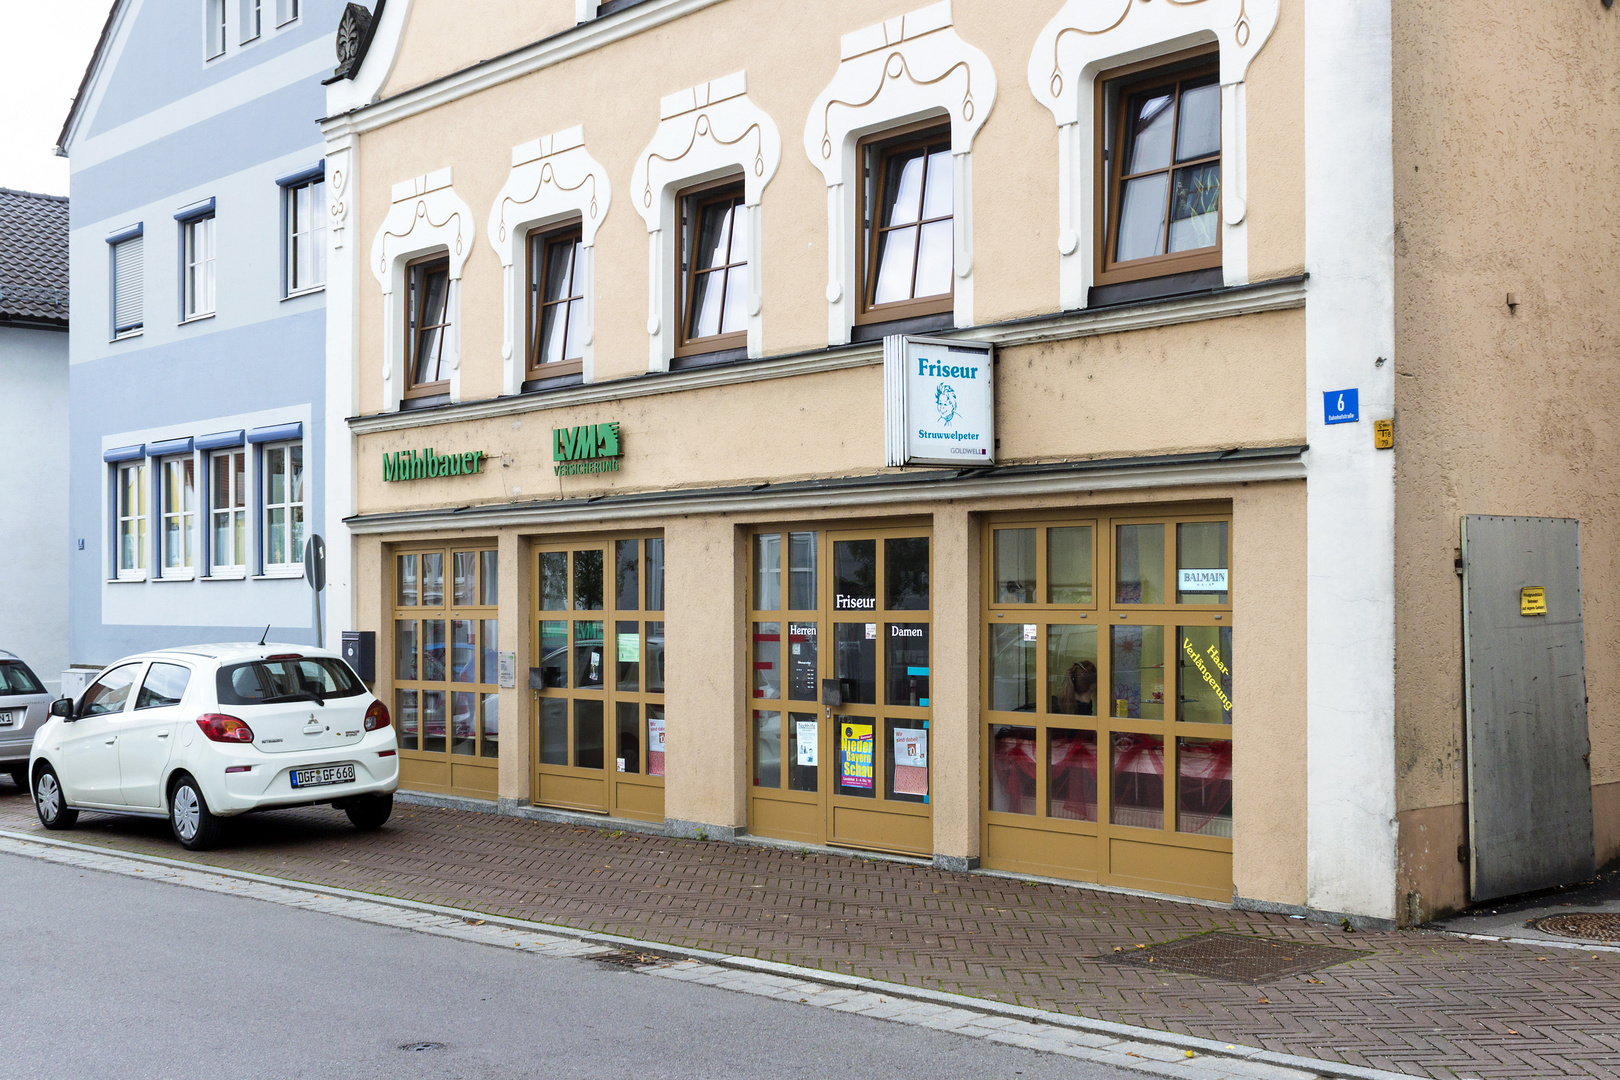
{"x":128,"y":286}
{"x":908,"y":247}
{"x":178,"y":477}
{"x":306,"y":235}
{"x":556,"y":303}
{"x":132,"y":519}
{"x":252,"y":20}
{"x":284,"y":501}
{"x":714,"y":270}
{"x":197,"y":261}
{"x":286,"y":11}
{"x":215,"y":27}
{"x":227,"y":507}
{"x":427,"y":322}
{"x":1160,"y":208}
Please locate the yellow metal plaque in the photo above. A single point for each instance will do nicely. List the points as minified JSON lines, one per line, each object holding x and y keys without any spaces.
{"x":1532,"y":600}
{"x":1383,"y":434}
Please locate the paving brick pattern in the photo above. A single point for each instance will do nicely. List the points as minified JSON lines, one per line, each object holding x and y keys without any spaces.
{"x":1420,"y":1003}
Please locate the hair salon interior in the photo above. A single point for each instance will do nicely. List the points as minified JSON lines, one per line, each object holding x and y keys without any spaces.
{"x":1123,"y":443}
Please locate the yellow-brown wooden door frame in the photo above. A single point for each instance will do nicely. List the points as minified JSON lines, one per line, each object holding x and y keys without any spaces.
{"x":1163,"y":859}
{"x":632,"y":793}
{"x":444,"y":771}
{"x":879,"y":823}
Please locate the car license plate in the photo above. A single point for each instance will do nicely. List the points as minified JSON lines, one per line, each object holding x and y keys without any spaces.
{"x":323,"y":774}
{"x":8,"y":718}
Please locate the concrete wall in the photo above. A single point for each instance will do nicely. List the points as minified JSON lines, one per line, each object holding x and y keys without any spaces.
{"x":34,"y":491}
{"x":1505,"y":155}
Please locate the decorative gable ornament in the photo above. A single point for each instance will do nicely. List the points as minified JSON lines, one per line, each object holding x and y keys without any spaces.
{"x":353,"y":37}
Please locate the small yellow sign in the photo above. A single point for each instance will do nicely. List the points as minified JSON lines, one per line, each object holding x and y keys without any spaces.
{"x":1383,"y":434}
{"x":1532,"y":600}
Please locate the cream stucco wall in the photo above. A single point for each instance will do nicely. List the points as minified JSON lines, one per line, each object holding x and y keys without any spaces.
{"x":446,"y":37}
{"x":790,"y":54}
{"x":1507,"y":124}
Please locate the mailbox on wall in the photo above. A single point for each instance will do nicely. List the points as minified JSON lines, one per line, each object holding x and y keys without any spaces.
{"x":360,"y":653}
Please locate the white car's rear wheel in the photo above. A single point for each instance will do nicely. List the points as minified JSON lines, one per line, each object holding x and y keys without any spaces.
{"x":194,"y":825}
{"x":369,"y":812}
{"x":50,"y":803}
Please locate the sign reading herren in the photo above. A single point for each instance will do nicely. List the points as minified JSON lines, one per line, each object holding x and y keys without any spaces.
{"x":590,"y":448}
{"x":939,"y":403}
{"x":411,"y":465}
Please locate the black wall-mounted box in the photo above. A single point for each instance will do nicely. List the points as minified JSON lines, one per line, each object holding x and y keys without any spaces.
{"x":360,"y":653}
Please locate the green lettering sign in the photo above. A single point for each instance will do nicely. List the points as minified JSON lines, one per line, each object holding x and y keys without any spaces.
{"x":589,"y":448}
{"x":415,"y":465}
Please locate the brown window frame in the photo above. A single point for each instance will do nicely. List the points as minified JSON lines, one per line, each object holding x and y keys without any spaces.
{"x":690,"y":203}
{"x":874,"y":152}
{"x":1123,"y":83}
{"x":420,"y":268}
{"x":541,"y":240}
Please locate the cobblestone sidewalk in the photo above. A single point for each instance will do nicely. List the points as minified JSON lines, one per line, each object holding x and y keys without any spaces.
{"x":1420,"y":1003}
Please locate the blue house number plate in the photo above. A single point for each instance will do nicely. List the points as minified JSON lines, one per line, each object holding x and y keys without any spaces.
{"x":1341,"y":406}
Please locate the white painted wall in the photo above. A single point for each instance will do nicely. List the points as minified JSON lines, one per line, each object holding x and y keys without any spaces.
{"x":1350,"y":500}
{"x":34,"y":499}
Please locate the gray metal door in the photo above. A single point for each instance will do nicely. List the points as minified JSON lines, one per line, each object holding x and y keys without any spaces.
{"x":1529,"y":770}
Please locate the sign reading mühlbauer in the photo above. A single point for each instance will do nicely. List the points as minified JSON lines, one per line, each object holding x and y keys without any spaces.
{"x":939,"y":402}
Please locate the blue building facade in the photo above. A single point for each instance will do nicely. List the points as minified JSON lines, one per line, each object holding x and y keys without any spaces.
{"x":197,"y":369}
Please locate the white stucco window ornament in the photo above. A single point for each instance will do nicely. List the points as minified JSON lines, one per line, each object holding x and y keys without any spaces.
{"x":705,"y":133}
{"x":554,"y":180}
{"x":901,"y":70}
{"x":426,"y":217}
{"x":1088,"y":37}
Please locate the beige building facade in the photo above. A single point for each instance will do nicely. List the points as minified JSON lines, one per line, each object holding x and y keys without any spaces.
{"x":619,"y":297}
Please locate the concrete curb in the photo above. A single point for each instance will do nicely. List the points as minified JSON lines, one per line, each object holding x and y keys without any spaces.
{"x":1151,"y":1036}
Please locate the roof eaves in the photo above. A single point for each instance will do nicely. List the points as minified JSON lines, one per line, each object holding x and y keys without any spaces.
{"x":89,"y":72}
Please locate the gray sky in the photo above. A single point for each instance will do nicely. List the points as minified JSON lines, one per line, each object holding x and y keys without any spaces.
{"x":44,"y":48}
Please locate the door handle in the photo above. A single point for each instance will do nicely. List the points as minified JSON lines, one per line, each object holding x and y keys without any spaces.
{"x":163,"y":734}
{"x":112,"y":740}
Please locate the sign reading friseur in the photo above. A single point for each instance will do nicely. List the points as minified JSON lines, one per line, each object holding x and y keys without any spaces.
{"x":939,"y":405}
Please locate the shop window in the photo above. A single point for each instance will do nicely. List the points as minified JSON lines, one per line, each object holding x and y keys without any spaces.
{"x":599,"y":658}
{"x":1108,"y":709}
{"x":132,"y":520}
{"x":908,"y":242}
{"x":556,"y":304}
{"x":1159,"y":211}
{"x":304,"y":246}
{"x":427,"y":325}
{"x":227,"y":512}
{"x":446,"y":662}
{"x":714,"y":270}
{"x":177,"y":478}
{"x":284,"y":502}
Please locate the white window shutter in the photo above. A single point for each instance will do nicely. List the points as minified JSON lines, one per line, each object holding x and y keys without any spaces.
{"x":129,"y":285}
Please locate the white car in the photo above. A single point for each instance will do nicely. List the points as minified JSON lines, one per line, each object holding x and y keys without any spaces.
{"x":208,"y":732}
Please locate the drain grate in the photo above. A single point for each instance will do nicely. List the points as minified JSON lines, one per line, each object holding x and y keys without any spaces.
{"x":419,"y":1047}
{"x":1590,"y":925}
{"x":1234,"y":957}
{"x":630,"y":960}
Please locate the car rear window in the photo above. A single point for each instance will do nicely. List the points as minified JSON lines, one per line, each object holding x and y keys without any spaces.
{"x":15,"y":678}
{"x":265,"y":682}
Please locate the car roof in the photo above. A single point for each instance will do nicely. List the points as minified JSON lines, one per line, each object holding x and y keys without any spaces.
{"x":8,"y":655}
{"x":232,"y":652}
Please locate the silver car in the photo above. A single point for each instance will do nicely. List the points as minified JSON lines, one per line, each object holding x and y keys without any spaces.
{"x":24,"y":706}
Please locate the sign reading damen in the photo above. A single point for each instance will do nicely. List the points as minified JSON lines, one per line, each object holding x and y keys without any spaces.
{"x":939,"y":405}
{"x":591,"y":448}
{"x":411,"y":465}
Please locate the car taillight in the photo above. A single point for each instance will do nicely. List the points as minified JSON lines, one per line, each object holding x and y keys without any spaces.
{"x":377,"y":716}
{"x":221,"y":728}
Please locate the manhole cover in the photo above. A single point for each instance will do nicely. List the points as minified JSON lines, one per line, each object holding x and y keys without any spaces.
{"x":419,"y":1047}
{"x":625,"y":959}
{"x":1591,"y":925}
{"x":1234,"y":957}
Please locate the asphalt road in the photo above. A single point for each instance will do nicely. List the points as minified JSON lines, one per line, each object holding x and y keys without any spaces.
{"x":107,"y":976}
